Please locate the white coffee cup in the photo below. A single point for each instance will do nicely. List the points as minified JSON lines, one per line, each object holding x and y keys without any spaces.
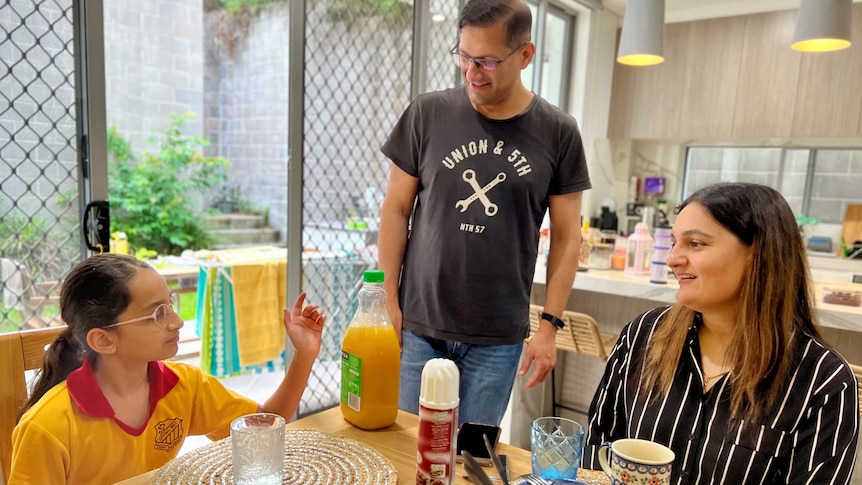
{"x":636,"y":461}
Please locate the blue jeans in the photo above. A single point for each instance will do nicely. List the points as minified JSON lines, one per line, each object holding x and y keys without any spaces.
{"x":487,"y":374}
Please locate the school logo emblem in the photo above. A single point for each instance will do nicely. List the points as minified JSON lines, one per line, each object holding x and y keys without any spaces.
{"x":168,"y":434}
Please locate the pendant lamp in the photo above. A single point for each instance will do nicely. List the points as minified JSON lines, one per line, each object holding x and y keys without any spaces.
{"x":823,"y":25}
{"x":642,"y":39}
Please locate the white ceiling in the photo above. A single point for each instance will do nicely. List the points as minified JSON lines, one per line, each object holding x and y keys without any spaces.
{"x":685,"y":10}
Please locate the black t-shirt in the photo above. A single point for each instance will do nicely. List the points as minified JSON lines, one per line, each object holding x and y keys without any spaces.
{"x":483,"y":191}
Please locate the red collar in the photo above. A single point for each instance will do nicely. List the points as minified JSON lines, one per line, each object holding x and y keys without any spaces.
{"x":90,"y":399}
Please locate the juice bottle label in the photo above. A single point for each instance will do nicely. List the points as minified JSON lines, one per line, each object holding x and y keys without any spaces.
{"x":351,"y":380}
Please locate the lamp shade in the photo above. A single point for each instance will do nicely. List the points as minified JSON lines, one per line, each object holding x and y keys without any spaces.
{"x":823,"y":25}
{"x":642,"y":39}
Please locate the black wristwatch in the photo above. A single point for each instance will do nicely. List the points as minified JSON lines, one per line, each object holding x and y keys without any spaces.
{"x":556,"y":321}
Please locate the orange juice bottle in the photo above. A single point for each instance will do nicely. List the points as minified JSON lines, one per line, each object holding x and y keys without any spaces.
{"x":370,"y":360}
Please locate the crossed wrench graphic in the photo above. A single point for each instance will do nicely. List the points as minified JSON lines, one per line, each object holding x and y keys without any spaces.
{"x":469,"y":176}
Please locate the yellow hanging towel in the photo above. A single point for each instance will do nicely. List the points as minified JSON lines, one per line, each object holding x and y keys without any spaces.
{"x":259,"y":298}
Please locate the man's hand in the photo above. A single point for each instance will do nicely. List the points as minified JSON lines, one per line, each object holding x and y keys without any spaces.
{"x":397,"y":318}
{"x":542,"y":350}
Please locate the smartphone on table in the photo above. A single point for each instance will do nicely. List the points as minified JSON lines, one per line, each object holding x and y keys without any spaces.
{"x":470,"y":439}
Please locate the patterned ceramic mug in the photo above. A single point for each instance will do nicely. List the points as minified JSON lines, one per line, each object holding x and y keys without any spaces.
{"x":636,"y":462}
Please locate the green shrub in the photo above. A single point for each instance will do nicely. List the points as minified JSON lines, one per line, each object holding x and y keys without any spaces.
{"x":45,"y":243}
{"x":237,"y":5}
{"x":153,"y":200}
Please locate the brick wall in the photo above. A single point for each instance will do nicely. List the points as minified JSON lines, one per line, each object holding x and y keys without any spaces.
{"x":357,"y":81}
{"x":246,"y":114}
{"x":154,"y":57}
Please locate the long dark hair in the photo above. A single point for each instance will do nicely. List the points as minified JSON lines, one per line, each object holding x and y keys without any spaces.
{"x":94,"y":294}
{"x":486,"y":13}
{"x":775,"y":299}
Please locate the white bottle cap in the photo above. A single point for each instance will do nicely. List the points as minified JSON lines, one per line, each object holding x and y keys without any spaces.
{"x":440,"y":379}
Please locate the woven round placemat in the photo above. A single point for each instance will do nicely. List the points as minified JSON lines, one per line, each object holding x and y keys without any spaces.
{"x":593,"y":477}
{"x":310,"y":458}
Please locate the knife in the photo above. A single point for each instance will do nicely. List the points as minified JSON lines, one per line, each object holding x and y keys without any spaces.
{"x":496,"y":460}
{"x":474,"y":470}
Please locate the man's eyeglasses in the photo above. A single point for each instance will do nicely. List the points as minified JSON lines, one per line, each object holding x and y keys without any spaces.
{"x":161,"y":316}
{"x":487,"y":64}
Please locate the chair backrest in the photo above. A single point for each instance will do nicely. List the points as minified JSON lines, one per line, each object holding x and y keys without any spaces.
{"x":19,"y":352}
{"x":858,"y":371}
{"x":585,"y":334}
{"x":564,"y":339}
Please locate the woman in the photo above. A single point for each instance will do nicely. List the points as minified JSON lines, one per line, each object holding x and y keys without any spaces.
{"x":735,"y":377}
{"x":106,"y":406}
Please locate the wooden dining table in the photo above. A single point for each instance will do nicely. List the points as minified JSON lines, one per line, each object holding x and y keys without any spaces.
{"x":398,"y":444}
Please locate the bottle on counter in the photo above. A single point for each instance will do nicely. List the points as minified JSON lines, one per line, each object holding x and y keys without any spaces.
{"x":370,"y":360}
{"x":584,"y":254}
{"x":602,"y":250}
{"x":639,"y":254}
{"x":438,"y":421}
{"x":544,"y":243}
{"x":660,"y":252}
{"x":618,"y":258}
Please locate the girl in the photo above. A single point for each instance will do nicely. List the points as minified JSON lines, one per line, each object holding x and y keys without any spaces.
{"x":107,"y":406}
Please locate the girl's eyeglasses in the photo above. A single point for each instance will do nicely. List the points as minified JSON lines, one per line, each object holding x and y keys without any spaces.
{"x":160,"y":316}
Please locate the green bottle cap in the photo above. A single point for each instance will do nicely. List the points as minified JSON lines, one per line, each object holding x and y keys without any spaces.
{"x":373,"y":276}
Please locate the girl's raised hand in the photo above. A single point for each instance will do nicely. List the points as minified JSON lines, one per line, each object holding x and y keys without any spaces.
{"x":304,"y":326}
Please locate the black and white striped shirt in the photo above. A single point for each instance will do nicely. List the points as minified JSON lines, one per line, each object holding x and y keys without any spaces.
{"x":810,"y":438}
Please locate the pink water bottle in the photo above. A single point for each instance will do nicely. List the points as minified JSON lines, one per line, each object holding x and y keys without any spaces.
{"x":438,"y":421}
{"x":638,"y":256}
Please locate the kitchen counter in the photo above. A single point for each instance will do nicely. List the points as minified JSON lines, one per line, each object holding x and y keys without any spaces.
{"x":620,"y":284}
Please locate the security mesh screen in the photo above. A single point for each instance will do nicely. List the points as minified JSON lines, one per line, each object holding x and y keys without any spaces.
{"x":442,"y":70}
{"x":357,"y":82}
{"x":38,"y":187}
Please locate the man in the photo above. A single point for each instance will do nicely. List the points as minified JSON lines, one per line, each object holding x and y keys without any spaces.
{"x":482,"y":162}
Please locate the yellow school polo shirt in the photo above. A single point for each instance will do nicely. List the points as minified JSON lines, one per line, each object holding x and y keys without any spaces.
{"x":71,"y":435}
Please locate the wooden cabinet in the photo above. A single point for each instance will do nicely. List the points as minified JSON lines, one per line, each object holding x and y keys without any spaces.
{"x":737,"y":77}
{"x":768,"y":77}
{"x":646,"y":100}
{"x":830,"y":90}
{"x":714,"y":50}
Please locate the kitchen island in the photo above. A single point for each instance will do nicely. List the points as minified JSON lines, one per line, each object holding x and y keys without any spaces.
{"x":618,"y":284}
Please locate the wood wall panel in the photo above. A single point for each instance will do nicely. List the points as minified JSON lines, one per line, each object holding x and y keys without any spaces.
{"x":737,"y":78}
{"x":711,"y":76}
{"x":829,"y":98}
{"x":656,"y":98}
{"x":768,"y":77}
{"x":621,"y":101}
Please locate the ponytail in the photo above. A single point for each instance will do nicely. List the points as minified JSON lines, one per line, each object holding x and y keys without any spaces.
{"x":63,"y":356}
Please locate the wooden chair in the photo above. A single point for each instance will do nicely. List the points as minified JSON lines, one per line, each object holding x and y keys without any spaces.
{"x":19,"y":352}
{"x":587,"y":338}
{"x":858,"y":371}
{"x":564,"y":342}
{"x":28,"y":297}
{"x":581,"y":336}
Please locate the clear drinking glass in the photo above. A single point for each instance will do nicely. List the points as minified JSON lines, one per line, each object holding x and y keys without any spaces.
{"x":556,"y":447}
{"x":257,"y":449}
